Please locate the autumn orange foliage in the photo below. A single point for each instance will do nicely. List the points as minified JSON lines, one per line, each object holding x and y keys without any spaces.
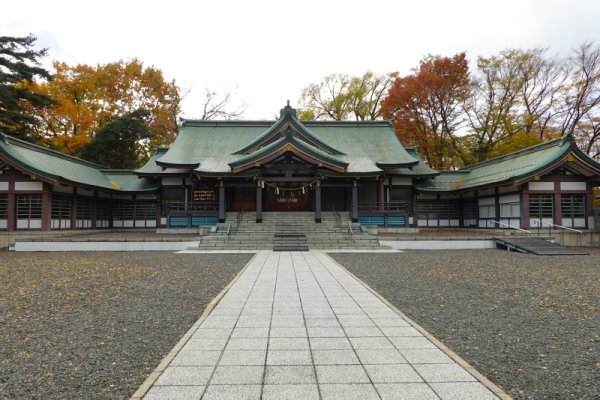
{"x":88,"y":97}
{"x":426,"y":107}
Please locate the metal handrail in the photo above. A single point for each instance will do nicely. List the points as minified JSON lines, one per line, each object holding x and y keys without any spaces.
{"x":350,"y":228}
{"x":228,"y":228}
{"x":510,"y":226}
{"x":238,"y":220}
{"x":337,"y":218}
{"x":557,"y":226}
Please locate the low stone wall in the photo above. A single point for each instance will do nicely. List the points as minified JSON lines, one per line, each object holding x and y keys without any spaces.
{"x":149,"y":245}
{"x":439,"y":244}
{"x":8,"y":238}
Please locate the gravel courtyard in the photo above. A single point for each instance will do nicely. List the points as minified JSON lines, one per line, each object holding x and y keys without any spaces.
{"x":94,"y":325}
{"x":531,"y":324}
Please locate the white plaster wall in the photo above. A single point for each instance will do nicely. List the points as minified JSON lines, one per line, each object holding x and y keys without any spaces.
{"x":510,"y":221}
{"x":573,"y":223}
{"x":534,"y":223}
{"x":29,"y":224}
{"x":63,"y":224}
{"x":103,"y":246}
{"x":29,"y":186}
{"x":438,"y":244}
{"x":573,"y":186}
{"x":541,"y":185}
{"x":3,"y":185}
{"x":3,"y":224}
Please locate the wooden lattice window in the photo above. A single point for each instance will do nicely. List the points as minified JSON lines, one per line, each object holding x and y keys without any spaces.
{"x":29,"y":211}
{"x":573,"y":205}
{"x":3,"y":206}
{"x":541,"y":206}
{"x":61,"y":212}
{"x":84,"y":213}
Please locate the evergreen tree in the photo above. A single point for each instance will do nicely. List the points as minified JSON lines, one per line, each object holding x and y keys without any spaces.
{"x":118,"y":143}
{"x":19,"y":64}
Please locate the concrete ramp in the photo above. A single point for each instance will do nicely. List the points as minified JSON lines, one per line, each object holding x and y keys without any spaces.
{"x":536,"y":245}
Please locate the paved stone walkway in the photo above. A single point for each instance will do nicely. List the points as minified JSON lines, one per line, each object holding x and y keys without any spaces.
{"x":297,"y":326}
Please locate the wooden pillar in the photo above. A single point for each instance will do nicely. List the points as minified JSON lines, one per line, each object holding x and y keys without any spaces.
{"x":556,"y":206}
{"x":461,"y":212}
{"x":259,"y":191}
{"x":477,"y":208}
{"x":381,"y":194}
{"x":221,"y":201}
{"x":158,"y":209}
{"x":94,"y":207}
{"x":589,"y":206}
{"x":74,"y":209}
{"x":415,"y":209}
{"x":318,"y":202}
{"x":46,"y":207}
{"x":437,"y":199}
{"x":355,"y":201}
{"x":524,"y":203}
{"x":497,"y":203}
{"x":12,"y":208}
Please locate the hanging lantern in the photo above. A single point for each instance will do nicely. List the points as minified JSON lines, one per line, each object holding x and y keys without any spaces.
{"x":276,"y":190}
{"x":303,"y":190}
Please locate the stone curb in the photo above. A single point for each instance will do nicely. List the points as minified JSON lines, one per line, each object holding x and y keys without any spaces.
{"x":154,"y":375}
{"x":470,"y":369}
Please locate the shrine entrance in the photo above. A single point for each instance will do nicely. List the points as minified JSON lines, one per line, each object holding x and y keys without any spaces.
{"x":289,"y":197}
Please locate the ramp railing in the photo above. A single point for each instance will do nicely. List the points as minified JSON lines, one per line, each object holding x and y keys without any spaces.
{"x":562,"y":230}
{"x":511,"y":227}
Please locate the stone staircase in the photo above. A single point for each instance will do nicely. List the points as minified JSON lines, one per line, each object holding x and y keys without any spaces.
{"x":288,"y":231}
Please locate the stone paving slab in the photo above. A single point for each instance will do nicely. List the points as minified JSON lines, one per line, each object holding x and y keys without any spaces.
{"x":298,"y":326}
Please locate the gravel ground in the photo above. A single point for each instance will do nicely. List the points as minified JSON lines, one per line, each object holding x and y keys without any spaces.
{"x":531,"y":324}
{"x":94,"y":325}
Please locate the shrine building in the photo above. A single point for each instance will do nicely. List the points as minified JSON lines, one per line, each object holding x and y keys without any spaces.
{"x":356,"y":169}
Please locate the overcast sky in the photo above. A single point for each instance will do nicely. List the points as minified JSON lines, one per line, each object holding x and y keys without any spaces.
{"x":270,"y":50}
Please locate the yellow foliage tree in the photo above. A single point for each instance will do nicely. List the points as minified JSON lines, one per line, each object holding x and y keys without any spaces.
{"x":89,"y":97}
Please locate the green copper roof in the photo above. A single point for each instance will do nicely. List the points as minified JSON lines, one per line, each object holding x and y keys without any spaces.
{"x":421,"y":170}
{"x":287,"y":121}
{"x":512,"y":167}
{"x":58,"y":167}
{"x":290,"y":142}
{"x":211,"y":147}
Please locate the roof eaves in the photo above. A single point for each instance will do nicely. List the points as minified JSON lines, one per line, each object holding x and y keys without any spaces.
{"x":9,"y":140}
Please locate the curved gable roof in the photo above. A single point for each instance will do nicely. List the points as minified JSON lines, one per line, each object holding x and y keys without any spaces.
{"x":513,"y":167}
{"x":58,"y":167}
{"x":287,"y":122}
{"x":211,"y":147}
{"x":290,"y":143}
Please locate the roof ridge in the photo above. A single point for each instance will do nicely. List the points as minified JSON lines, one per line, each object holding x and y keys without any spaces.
{"x":43,"y":149}
{"x":531,"y":149}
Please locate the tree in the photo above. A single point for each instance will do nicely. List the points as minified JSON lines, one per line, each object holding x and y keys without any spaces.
{"x":543,"y":78}
{"x":340,"y":97}
{"x":426,"y":107}
{"x":218,"y":107}
{"x":493,"y":109}
{"x":89,"y":97}
{"x":581,"y":100}
{"x":116,"y":144}
{"x":19,"y":64}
